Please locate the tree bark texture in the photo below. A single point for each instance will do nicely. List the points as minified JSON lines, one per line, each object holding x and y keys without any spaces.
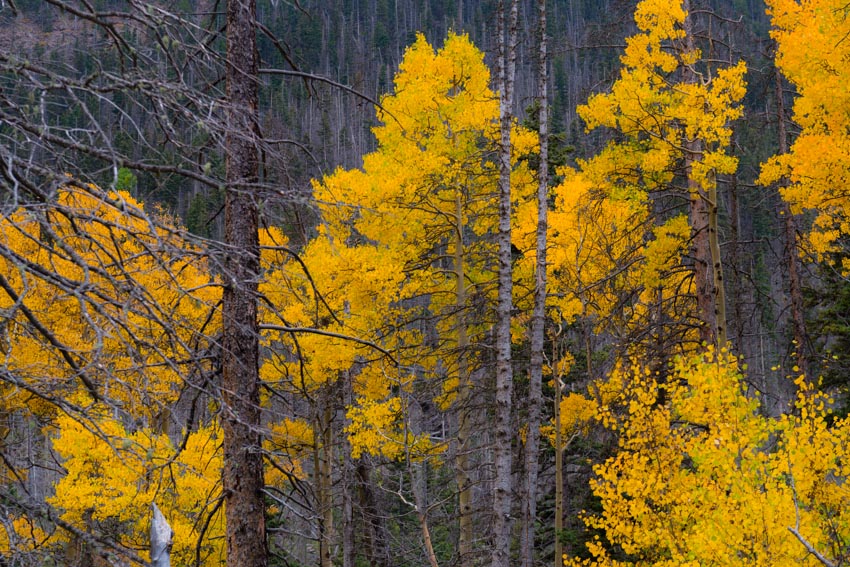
{"x":535,"y":379}
{"x":464,"y":393}
{"x":798,"y":319}
{"x":502,"y":485}
{"x":705,"y":247}
{"x":243,"y":459}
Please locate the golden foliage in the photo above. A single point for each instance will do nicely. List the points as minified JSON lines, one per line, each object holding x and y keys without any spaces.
{"x":812,"y":53}
{"x":703,"y":477}
{"x":114,"y":475}
{"x":407,"y":236}
{"x":577,"y":413}
{"x":614,"y":257}
{"x":129,"y":302}
{"x":380,"y":428}
{"x":288,"y":444}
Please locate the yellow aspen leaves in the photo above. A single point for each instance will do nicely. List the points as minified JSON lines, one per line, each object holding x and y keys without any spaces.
{"x":664,"y":253}
{"x":673,"y":111}
{"x":415,"y":222}
{"x":703,"y":477}
{"x":657,"y":112}
{"x":577,"y":413}
{"x":379,"y":428}
{"x":812,"y":52}
{"x":127,"y":302}
{"x":113,"y":475}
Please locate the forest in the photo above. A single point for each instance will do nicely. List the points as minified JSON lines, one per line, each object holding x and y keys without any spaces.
{"x":424,"y":282}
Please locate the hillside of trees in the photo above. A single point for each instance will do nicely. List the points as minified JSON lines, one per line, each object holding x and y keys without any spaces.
{"x":444,"y":282}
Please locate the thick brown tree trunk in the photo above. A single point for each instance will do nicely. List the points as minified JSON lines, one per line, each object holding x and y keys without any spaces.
{"x":535,"y":379}
{"x":243,"y":459}
{"x":705,"y":245}
{"x":375,"y":534}
{"x":502,"y":484}
{"x":798,"y":319}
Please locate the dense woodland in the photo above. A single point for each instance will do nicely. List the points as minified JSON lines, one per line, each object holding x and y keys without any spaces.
{"x":437,"y":282}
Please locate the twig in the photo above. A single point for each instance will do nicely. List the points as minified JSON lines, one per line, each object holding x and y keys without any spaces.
{"x":811,"y":548}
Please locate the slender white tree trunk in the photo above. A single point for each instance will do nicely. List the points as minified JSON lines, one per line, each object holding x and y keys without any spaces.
{"x":502,"y":484}
{"x":535,"y":381}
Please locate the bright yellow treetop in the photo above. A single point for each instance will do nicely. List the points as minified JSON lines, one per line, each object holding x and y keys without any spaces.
{"x":812,"y":52}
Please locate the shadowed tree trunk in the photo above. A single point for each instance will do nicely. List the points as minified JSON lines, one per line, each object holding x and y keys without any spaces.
{"x":464,"y":394}
{"x":243,"y":459}
{"x":798,"y":320}
{"x":375,"y":536}
{"x":559,"y":452}
{"x":705,"y":245}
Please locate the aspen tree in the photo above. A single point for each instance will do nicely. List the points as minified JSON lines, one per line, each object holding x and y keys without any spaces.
{"x":503,"y":451}
{"x":424,"y":201}
{"x":693,"y":483}
{"x":538,"y":318}
{"x":675,"y":113}
{"x":812,"y":54}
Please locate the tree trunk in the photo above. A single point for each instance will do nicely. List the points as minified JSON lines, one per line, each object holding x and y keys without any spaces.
{"x":716,"y":264}
{"x":323,"y":458}
{"x":464,"y":390}
{"x":419,"y":486}
{"x":705,"y":246}
{"x":349,"y":554}
{"x":790,"y":227}
{"x":502,"y":484}
{"x":735,"y":261}
{"x":374,"y":530}
{"x":535,"y":381}
{"x":243,"y":459}
{"x":559,"y":457}
{"x":161,"y":539}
